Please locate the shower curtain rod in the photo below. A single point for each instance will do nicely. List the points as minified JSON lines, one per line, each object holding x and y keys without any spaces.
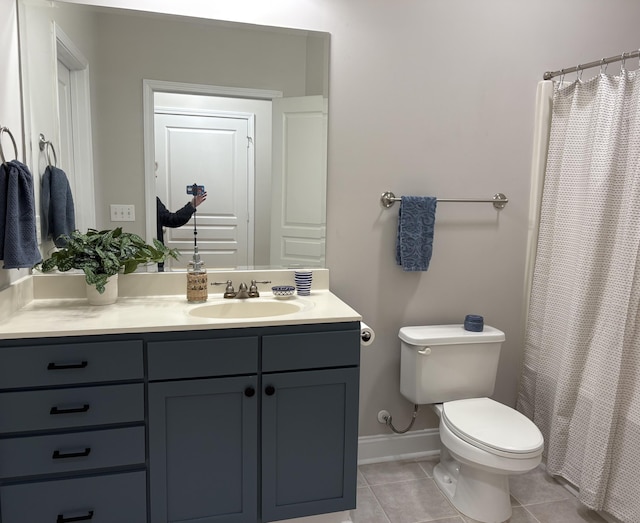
{"x":580,"y":67}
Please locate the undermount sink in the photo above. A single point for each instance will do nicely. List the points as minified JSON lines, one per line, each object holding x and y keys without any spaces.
{"x":249,"y":308}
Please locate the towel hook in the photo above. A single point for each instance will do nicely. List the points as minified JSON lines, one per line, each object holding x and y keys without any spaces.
{"x":13,"y":141}
{"x":46,"y":145}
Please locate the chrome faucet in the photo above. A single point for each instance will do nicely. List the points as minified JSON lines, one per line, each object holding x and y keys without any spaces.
{"x":243,"y":292}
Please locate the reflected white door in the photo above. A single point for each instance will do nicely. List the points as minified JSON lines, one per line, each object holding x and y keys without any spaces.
{"x":298,"y":228}
{"x":214,"y":151}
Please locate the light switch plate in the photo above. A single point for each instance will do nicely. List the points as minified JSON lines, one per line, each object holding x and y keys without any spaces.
{"x":123,"y":213}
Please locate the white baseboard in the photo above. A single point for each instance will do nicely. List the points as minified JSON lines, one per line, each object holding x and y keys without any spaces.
{"x":391,"y":447}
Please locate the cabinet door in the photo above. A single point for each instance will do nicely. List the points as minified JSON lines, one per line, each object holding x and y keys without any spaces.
{"x":203,"y":450}
{"x":309,"y":442}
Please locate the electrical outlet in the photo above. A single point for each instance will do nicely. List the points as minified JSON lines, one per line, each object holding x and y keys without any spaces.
{"x":123,"y":213}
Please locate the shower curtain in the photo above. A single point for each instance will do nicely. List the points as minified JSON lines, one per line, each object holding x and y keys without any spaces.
{"x":581,"y":374}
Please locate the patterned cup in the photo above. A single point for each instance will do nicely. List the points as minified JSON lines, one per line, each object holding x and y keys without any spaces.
{"x":303,"y":281}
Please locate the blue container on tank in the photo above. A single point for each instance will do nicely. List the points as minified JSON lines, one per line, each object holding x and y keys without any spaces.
{"x":473,"y":323}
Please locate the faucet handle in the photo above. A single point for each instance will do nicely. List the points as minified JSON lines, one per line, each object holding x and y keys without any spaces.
{"x":229,"y":291}
{"x":253,"y":289}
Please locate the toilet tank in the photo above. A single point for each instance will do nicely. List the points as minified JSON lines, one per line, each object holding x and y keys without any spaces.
{"x":441,"y":363}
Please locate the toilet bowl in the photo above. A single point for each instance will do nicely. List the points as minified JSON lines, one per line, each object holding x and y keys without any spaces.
{"x":482,"y":441}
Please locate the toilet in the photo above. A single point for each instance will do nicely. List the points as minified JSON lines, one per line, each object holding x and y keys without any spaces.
{"x":482,"y":441}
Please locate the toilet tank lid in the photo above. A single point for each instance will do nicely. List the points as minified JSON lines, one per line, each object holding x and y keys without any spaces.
{"x":448,"y":335}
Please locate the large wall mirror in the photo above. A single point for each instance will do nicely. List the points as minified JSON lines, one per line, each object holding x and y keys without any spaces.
{"x":138,"y":105}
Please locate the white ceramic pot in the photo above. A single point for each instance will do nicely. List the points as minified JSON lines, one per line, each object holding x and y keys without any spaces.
{"x":109,"y":296}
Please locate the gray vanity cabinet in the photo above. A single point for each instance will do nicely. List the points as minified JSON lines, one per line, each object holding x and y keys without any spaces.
{"x":309,"y":423}
{"x":241,"y":425}
{"x":203,"y":430}
{"x":72,"y":432}
{"x":254,"y":429}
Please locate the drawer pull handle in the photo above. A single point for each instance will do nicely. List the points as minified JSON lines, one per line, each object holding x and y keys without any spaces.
{"x":56,"y":410}
{"x":62,"y":455}
{"x":66,"y":366}
{"x":62,"y":519}
{"x":249,"y":392}
{"x":270,"y":390}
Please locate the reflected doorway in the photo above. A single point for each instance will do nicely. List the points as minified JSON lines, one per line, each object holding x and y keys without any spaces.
{"x":195,"y":143}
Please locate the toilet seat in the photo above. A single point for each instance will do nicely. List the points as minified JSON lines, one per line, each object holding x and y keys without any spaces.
{"x":493,"y":427}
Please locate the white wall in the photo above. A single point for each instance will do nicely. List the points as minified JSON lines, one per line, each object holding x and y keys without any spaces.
{"x":433,"y":97}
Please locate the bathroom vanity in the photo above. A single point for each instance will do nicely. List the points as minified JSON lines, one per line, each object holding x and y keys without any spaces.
{"x":199,"y":419}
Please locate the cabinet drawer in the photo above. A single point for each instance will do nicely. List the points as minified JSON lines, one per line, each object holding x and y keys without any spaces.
{"x":63,"y":364}
{"x":202,"y":358}
{"x":75,"y":407}
{"x":51,"y":454}
{"x":310,"y":350}
{"x":112,"y":498}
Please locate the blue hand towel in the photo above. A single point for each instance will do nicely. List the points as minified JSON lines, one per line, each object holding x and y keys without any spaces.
{"x":416,"y":221}
{"x":58,"y":213}
{"x":18,"y":237}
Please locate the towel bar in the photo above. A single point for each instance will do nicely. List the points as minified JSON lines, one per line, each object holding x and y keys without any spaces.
{"x":15,"y":147}
{"x":499,"y":200}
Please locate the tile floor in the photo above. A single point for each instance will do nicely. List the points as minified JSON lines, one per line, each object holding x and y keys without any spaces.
{"x":404,"y":492}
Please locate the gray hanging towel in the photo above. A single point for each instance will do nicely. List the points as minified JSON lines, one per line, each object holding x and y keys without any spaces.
{"x":58,"y":213}
{"x":416,"y":222}
{"x":18,"y":237}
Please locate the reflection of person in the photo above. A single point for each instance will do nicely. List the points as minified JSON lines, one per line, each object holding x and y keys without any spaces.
{"x":166,"y":218}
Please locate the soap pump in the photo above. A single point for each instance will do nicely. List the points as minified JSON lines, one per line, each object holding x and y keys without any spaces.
{"x":197,"y":280}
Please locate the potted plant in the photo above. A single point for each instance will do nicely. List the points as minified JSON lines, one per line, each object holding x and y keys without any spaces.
{"x":101,"y":255}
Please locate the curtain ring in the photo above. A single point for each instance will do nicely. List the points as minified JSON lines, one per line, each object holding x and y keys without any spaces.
{"x":603,"y":66}
{"x":623,"y":60}
{"x":579,"y":73}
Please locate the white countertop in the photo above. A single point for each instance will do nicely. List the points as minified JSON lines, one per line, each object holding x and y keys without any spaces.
{"x":54,"y":317}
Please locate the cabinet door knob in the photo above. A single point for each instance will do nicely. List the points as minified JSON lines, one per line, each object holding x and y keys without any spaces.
{"x":269,"y":390}
{"x":249,"y":391}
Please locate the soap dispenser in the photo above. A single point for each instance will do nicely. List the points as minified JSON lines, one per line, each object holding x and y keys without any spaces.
{"x":197,"y":280}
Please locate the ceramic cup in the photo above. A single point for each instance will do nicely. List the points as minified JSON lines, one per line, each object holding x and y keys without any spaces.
{"x":303,"y":279}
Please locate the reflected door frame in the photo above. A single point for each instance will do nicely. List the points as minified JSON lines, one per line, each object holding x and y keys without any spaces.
{"x":155,"y":86}
{"x":74,"y":133}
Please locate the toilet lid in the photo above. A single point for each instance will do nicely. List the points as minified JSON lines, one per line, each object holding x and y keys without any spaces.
{"x":493,"y":427}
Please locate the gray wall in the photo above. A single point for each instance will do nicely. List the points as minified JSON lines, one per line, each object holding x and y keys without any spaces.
{"x":433,"y":97}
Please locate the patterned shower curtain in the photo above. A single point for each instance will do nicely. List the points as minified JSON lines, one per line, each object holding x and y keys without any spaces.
{"x":581,"y":374}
